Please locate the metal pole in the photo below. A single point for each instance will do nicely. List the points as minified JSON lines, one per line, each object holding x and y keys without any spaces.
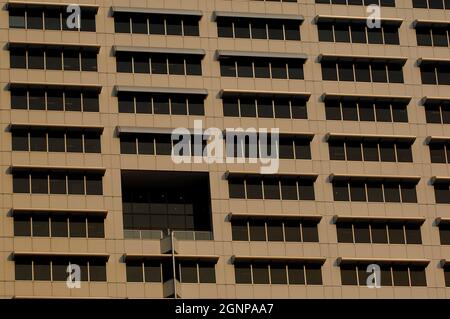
{"x":173,"y":264}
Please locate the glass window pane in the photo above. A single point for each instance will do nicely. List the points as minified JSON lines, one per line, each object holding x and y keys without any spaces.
{"x":56,"y":142}
{"x":16,"y":18}
{"x":207,"y":272}
{"x":279,"y":70}
{"x":152,"y":271}
{"x":191,"y":26}
{"x":58,"y":183}
{"x":18,"y":58}
{"x":42,"y":269}
{"x":289,"y":189}
{"x":383,"y":112}
{"x":22,"y":225}
{"x":374,"y":192}
{"x":296,"y":274}
{"x":71,"y":60}
{"x":362,"y":233}
{"x":354,"y":152}
{"x":379,"y":73}
{"x":188,"y":272}
{"x":401,"y":277}
{"x":292,"y":231}
{"x":94,"y":185}
{"x":21,"y":183}
{"x":413,"y":235}
{"x":349,"y":111}
{"x":344,"y":232}
{"x":241,"y":28}
{"x":357,"y":192}
{"x":358,"y":32}
{"x":34,"y":19}
{"x":139,"y":24}
{"x":134,"y":272}
{"x":274,"y":231}
{"x":77,"y":226}
{"x":59,"y":226}
{"x":399,"y":114}
{"x":239,"y":230}
{"x":325,"y":31}
{"x":55,"y":100}
{"x":340,"y":191}
{"x":39,"y":183}
{"x":36,"y":59}
{"x":157,"y":24}
{"x":332,"y":110}
{"x":341,"y":32}
{"x":348,"y":275}
{"x":396,"y":234}
{"x":313,"y":274}
{"x":379,"y":233}
{"x":97,"y":270}
{"x":260,"y":274}
{"x":257,"y":231}
{"x":74,"y":141}
{"x":362,"y":72}
{"x":391,"y":192}
{"x":387,"y":152}
{"x":310,"y":232}
{"x":409,"y":194}
{"x":278,"y":274}
{"x":72,"y":101}
{"x":40,"y":226}
{"x":23,"y":270}
{"x":76,"y":184}
{"x":242,"y":273}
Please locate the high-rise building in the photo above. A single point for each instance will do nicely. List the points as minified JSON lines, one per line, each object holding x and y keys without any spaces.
{"x":356,"y":88}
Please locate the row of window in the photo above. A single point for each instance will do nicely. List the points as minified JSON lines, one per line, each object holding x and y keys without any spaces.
{"x":387,"y":151}
{"x":391,"y":275}
{"x":275,"y":230}
{"x":362,"y":72}
{"x":156,"y":144}
{"x":435,"y":74}
{"x":438,"y":113}
{"x":372,"y":191}
{"x":442,"y":193}
{"x":59,"y":225}
{"x":437,"y":37}
{"x":381,"y":3}
{"x":357,"y":32}
{"x":72,"y":59}
{"x":57,"y":183}
{"x":51,"y":18}
{"x":174,"y":104}
{"x":56,"y":140}
{"x":161,"y":271}
{"x":72,"y":99}
{"x":431,"y":4}
{"x":46,"y":58}
{"x":278,"y":273}
{"x":440,"y":152}
{"x":277,"y":107}
{"x":261,"y":107}
{"x":286,"y":188}
{"x":269,"y":68}
{"x":348,"y":110}
{"x":378,"y":232}
{"x":171,"y":24}
{"x":54,"y":268}
{"x":174,"y":64}
{"x":269,"y":29}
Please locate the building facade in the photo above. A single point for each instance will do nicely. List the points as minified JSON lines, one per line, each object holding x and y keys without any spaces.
{"x":363,"y":115}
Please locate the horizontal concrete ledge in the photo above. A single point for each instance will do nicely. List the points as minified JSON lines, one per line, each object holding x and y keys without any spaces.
{"x":230,"y":14}
{"x":435,"y":100}
{"x":430,"y":23}
{"x":18,"y":254}
{"x":239,"y":216}
{"x":369,"y":137}
{"x":44,"y":4}
{"x":81,"y":47}
{"x":436,"y":139}
{"x":407,"y":220}
{"x":65,"y":127}
{"x":252,"y":54}
{"x":304,"y":176}
{"x":440,"y":180}
{"x":198,"y":13}
{"x":35,"y":85}
{"x":301,"y":260}
{"x":31,"y":168}
{"x":361,"y":177}
{"x":365,"y":97}
{"x":212,"y":258}
{"x":264,"y":93}
{"x":382,"y":261}
{"x":334,"y":18}
{"x":433,"y":61}
{"x":361,"y":58}
{"x":158,"y":50}
{"x":64,"y":211}
{"x":146,"y":89}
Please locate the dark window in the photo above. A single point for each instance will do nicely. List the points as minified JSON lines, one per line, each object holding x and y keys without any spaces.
{"x":39,"y":183}
{"x":292,"y":231}
{"x":134,"y":272}
{"x":41,"y":226}
{"x":313,"y":274}
{"x":340,"y":191}
{"x":41,"y":269}
{"x":296,"y":274}
{"x":58,"y":183}
{"x":260,"y":274}
{"x":76,"y":184}
{"x":254,"y":189}
{"x":348,"y":275}
{"x":94,"y":185}
{"x":206,"y":272}
{"x":391,"y":192}
{"x":325,"y":32}
{"x":396,"y":234}
{"x":17,"y":18}
{"x":22,"y":225}
{"x":23,"y":270}
{"x":188,"y":272}
{"x":329,"y":72}
{"x":413,"y":235}
{"x":274,"y":231}
{"x":257,"y":231}
{"x":97,"y":271}
{"x":236,"y":188}
{"x":344,"y":232}
{"x":374,"y":192}
{"x":243,"y":273}
{"x":379,"y":233}
{"x":239,"y":230}
{"x":59,"y":226}
{"x":362,"y":233}
{"x":18,"y":58}
{"x":21,"y":183}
